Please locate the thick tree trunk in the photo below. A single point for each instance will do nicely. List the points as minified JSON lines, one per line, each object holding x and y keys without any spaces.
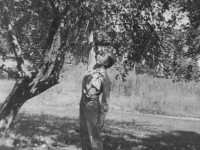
{"x":12,"y":104}
{"x":32,"y":84}
{"x":18,"y":96}
{"x":25,"y":89}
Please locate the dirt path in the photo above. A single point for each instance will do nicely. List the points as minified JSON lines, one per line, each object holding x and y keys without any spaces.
{"x":162,"y":122}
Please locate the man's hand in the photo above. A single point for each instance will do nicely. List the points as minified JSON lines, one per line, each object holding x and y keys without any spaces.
{"x":100,"y":123}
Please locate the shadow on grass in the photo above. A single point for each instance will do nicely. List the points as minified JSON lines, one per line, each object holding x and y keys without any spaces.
{"x":32,"y":131}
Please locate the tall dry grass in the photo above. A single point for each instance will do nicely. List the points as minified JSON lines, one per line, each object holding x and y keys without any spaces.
{"x":139,"y":93}
{"x":146,"y":94}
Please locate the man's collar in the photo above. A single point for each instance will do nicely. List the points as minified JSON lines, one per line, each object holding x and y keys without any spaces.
{"x":100,"y":70}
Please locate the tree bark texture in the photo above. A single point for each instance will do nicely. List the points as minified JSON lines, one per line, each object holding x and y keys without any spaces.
{"x":30,"y":84}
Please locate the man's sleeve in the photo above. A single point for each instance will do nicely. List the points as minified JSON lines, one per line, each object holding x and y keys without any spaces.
{"x":105,"y":99}
{"x":91,"y":58}
{"x":92,"y":53}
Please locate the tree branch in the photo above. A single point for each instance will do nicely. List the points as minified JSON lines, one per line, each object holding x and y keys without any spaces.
{"x":12,"y":72}
{"x":15,"y":45}
{"x":55,"y":7}
{"x":60,"y":57}
{"x":47,"y":52}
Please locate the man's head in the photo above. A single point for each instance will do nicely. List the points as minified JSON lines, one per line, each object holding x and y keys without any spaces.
{"x":105,"y":58}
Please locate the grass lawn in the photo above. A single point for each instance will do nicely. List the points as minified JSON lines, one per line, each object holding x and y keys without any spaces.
{"x":51,"y":123}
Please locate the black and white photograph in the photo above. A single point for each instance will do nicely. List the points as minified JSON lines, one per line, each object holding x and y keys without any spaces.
{"x":99,"y":74}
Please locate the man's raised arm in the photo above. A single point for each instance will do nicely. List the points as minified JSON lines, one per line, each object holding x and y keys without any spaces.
{"x":92,"y":54}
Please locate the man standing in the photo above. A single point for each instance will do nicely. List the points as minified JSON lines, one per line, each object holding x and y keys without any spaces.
{"x":92,"y":111}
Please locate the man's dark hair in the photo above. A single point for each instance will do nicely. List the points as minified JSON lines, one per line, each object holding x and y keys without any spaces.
{"x":110,"y":63}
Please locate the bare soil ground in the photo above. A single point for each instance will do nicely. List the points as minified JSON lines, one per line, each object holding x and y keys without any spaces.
{"x":46,"y":127}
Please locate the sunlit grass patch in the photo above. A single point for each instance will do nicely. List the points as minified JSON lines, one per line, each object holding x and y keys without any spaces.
{"x":139,"y":93}
{"x":6,"y":85}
